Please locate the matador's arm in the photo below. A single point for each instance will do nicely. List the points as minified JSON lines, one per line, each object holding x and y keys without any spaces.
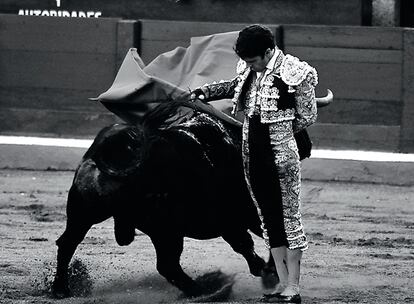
{"x":216,"y":91}
{"x":302,"y":79}
{"x":305,"y":102}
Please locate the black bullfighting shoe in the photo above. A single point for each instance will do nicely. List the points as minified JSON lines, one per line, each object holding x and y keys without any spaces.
{"x":288,"y":299}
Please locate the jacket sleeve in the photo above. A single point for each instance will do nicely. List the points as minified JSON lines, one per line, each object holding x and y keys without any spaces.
{"x":222,"y":90}
{"x":305,"y":102}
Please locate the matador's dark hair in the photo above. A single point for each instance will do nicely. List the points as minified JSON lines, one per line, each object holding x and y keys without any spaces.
{"x":253,"y":41}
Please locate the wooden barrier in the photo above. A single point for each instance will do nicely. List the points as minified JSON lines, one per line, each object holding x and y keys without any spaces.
{"x":407,"y":121}
{"x":162,"y":36}
{"x":363,"y":67}
{"x":50,"y":66}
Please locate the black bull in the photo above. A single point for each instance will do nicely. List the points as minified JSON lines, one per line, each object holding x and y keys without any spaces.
{"x":170,"y":181}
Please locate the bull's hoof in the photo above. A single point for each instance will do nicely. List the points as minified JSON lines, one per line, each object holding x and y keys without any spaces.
{"x":124,"y":240}
{"x":269,"y":278}
{"x":257,"y":267}
{"x":124,"y":234}
{"x":60,"y":290}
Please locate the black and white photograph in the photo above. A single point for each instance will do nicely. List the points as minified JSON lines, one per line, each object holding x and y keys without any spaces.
{"x":206,"y":151}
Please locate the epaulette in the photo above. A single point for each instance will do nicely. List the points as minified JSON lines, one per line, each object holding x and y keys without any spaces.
{"x":293,"y":71}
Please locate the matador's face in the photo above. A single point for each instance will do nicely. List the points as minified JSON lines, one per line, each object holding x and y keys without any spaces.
{"x":258,"y":63}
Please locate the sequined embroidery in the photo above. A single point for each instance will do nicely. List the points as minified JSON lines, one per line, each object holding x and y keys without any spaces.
{"x":269,"y":80}
{"x":237,"y":91}
{"x":306,"y":109}
{"x":293,"y":71}
{"x":286,"y":157}
{"x":223,"y":89}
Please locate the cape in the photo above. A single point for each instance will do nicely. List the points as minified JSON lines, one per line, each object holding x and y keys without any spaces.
{"x":171,"y":76}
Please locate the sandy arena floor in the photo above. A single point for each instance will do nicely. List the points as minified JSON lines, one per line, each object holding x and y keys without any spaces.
{"x":361,"y":251}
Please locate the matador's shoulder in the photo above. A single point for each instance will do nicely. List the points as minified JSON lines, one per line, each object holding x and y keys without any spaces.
{"x":293,"y":71}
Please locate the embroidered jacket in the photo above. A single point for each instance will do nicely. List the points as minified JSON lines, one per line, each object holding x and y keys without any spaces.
{"x":286,"y":91}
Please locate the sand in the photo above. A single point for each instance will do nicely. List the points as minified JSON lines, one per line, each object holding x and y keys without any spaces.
{"x":361,"y":248}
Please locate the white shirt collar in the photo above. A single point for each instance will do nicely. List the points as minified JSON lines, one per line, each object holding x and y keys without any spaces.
{"x":270,"y":65}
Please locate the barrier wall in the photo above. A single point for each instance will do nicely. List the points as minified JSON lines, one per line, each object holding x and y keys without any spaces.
{"x":50,"y":66}
{"x":162,"y":36}
{"x":367,"y":68}
{"x":364,"y":68}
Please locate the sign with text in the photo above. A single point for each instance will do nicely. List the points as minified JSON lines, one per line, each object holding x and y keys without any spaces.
{"x":58,"y":10}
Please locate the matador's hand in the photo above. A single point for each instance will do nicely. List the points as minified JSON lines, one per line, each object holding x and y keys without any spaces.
{"x":198,"y":94}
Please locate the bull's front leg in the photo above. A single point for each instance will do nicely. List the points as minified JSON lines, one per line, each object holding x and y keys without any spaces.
{"x":169,"y":249}
{"x":80,"y":219}
{"x":67,"y":244}
{"x":241,"y":242}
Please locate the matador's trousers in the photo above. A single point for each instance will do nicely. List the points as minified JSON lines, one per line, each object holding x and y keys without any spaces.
{"x":273,"y":175}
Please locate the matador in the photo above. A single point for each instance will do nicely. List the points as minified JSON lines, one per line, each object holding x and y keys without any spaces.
{"x":276,"y":92}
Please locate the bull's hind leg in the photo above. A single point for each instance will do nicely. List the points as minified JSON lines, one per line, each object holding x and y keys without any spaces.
{"x":79,"y":220}
{"x":242,"y":243}
{"x":169,"y":249}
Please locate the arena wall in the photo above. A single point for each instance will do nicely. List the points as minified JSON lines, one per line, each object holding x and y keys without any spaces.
{"x":49,"y":67}
{"x":364,"y":68}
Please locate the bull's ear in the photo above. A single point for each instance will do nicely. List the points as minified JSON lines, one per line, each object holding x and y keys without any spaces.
{"x":324,"y":101}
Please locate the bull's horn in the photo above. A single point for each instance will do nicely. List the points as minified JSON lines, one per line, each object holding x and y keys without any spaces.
{"x":324,"y":101}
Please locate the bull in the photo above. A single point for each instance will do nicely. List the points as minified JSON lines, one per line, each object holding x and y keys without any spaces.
{"x":169,"y":177}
